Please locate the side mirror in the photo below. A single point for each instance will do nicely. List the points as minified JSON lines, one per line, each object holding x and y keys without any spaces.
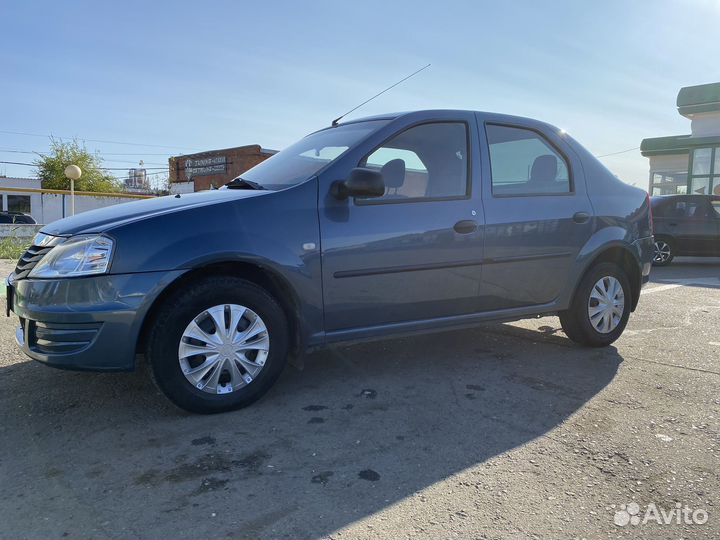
{"x":362,"y":182}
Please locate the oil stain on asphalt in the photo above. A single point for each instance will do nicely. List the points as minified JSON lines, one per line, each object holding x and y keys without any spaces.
{"x":202,"y":440}
{"x":369,"y":474}
{"x":322,"y":478}
{"x":314,"y":408}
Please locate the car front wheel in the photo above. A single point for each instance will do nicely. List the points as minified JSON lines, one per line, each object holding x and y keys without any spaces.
{"x":600,"y":309}
{"x":217,"y":346}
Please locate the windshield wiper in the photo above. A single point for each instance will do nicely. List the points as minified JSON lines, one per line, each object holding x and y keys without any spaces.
{"x":241,"y":183}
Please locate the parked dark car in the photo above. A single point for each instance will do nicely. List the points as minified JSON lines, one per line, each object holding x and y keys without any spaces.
{"x":16,"y":217}
{"x":686,"y":225}
{"x":388,"y":225}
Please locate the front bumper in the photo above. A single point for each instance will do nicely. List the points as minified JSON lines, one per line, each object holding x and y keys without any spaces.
{"x":90,"y":323}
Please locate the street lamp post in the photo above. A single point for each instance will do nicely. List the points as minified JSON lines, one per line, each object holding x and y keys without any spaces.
{"x":72,"y":172}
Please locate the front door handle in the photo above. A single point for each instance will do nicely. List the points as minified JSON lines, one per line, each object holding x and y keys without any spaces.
{"x":581,"y":217}
{"x":466,"y":226}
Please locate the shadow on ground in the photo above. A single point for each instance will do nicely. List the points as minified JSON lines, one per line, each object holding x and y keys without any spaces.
{"x":357,"y":430}
{"x":687,"y":269}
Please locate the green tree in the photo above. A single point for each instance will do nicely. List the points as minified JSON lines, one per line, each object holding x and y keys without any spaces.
{"x":51,"y":168}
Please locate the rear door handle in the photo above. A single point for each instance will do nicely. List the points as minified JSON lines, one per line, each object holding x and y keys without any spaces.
{"x":581,"y":217}
{"x":466,"y":226}
{"x":672,"y":224}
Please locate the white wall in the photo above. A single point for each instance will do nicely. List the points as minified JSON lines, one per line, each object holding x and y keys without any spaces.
{"x":31,"y":183}
{"x":705,"y":124}
{"x":182,"y":187}
{"x":4,"y":204}
{"x":19,"y":183}
{"x":49,"y":207}
{"x":54,"y":207}
{"x":18,"y":230}
{"x":669,"y":163}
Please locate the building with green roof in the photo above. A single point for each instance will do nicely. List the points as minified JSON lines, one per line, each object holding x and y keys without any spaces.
{"x":689,"y":163}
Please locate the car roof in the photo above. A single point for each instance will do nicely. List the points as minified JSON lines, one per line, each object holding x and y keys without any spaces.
{"x":484,"y":116}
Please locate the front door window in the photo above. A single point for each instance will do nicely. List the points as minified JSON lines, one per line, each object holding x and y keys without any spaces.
{"x":429,"y":161}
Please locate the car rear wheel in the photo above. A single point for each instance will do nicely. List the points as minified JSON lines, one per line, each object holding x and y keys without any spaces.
{"x":600,"y":309}
{"x":664,"y":252}
{"x":218,"y":346}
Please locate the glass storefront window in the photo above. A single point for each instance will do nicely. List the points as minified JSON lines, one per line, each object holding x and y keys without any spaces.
{"x":700,"y":185}
{"x":18,"y":203}
{"x":705,"y":173}
{"x":668,"y":182}
{"x":701,"y":161}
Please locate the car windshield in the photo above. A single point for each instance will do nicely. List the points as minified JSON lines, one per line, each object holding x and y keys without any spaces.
{"x":300,"y":161}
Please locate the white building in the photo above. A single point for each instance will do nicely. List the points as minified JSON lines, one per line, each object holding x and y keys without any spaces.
{"x":48,"y":207}
{"x":20,"y":202}
{"x":689,"y":163}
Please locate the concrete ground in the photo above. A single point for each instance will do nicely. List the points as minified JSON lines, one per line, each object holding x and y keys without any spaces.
{"x":508,"y":430}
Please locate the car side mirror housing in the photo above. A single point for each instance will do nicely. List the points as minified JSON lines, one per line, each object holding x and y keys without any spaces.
{"x":362,"y":182}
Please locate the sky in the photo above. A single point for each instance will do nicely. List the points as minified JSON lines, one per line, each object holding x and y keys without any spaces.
{"x":165,"y":78}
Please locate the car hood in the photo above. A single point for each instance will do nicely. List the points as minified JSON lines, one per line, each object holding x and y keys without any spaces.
{"x":104,"y":219}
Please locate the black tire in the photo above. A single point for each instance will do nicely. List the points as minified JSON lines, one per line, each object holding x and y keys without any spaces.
{"x":180,"y":308}
{"x":663,"y":243}
{"x":576,"y":320}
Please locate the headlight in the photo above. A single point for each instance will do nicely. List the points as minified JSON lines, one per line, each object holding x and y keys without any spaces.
{"x":76,"y":256}
{"x":45,"y":240}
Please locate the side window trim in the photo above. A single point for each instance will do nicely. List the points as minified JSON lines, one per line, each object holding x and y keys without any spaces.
{"x":551,"y":144}
{"x":468,"y":179}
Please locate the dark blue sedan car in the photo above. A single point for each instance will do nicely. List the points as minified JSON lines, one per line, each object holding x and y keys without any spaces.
{"x":394,"y":224}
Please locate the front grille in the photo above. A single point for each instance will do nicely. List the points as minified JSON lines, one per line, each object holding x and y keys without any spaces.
{"x":29,"y":259}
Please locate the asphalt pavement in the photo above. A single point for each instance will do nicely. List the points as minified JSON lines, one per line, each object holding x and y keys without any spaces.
{"x":506,"y":430}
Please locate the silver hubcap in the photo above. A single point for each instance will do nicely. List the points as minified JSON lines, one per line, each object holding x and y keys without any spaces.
{"x":662,"y":251}
{"x":224,"y":348}
{"x":606,"y":304}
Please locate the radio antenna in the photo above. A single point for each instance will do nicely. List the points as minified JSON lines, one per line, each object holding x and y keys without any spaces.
{"x":335,"y":122}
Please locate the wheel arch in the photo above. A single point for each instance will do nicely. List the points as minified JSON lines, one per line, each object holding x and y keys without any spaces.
{"x":263,"y":276}
{"x":624,"y":257}
{"x":670,"y":239}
